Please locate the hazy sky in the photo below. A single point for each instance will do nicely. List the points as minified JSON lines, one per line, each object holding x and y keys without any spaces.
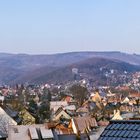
{"x":51,"y":26}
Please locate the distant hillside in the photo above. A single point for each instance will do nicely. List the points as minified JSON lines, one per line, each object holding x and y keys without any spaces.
{"x":25,"y":61}
{"x":17,"y":66}
{"x":95,"y":69}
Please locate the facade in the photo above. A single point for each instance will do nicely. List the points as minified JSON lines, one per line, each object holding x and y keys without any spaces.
{"x":60,"y":113}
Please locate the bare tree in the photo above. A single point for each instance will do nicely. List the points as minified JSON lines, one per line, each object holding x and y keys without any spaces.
{"x":79,"y":93}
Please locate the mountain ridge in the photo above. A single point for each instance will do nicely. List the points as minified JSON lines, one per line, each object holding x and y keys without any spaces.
{"x":90,"y":68}
{"x":20,"y":65}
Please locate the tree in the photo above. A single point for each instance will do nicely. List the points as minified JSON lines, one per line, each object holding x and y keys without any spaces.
{"x":79,"y":93}
{"x":44,"y":111}
{"x":46,"y":94}
{"x":33,"y":106}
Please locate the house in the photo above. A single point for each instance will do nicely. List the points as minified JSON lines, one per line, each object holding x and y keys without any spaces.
{"x":125,"y":107}
{"x":117,"y":115}
{"x":27,"y":118}
{"x":82,"y":124}
{"x":61,"y":113}
{"x":82,"y":111}
{"x":129,"y":115}
{"x":47,"y":134}
{"x":109,"y":109}
{"x":114,"y":99}
{"x":96,"y":97}
{"x":5,"y":121}
{"x":30,"y":132}
{"x":95,"y":106}
{"x":122,"y":130}
{"x":126,"y":100}
{"x":54,"y":105}
{"x":62,"y":129}
{"x":12,"y":113}
{"x":37,"y":132}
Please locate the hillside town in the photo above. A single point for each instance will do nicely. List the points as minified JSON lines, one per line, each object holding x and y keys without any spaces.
{"x":69,"y":70}
{"x":71,"y":111}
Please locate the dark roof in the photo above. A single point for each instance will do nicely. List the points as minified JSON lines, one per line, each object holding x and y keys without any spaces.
{"x":122,"y":130}
{"x":2,"y":135}
{"x":64,"y":136}
{"x":67,"y":137}
{"x":103,"y":94}
{"x":12,"y":113}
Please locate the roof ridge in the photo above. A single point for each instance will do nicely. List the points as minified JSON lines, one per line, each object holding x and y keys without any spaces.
{"x":124,"y":121}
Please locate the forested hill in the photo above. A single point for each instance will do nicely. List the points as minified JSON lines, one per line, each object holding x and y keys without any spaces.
{"x":17,"y":66}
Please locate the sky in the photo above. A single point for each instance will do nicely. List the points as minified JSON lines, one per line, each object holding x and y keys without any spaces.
{"x":56,"y":26}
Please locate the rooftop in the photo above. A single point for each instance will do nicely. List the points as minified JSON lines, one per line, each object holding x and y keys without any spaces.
{"x":122,"y":130}
{"x":24,"y":132}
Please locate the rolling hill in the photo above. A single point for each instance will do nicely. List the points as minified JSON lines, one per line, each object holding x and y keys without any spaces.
{"x":97,"y":70}
{"x":23,"y":67}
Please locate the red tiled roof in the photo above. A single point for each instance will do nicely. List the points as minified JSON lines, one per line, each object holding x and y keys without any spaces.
{"x":134,"y":94}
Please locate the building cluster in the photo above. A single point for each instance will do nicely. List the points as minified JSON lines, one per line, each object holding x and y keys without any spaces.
{"x":72,"y":111}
